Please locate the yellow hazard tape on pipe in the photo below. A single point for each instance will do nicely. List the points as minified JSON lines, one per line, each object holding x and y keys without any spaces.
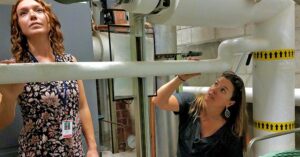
{"x":274,"y":126}
{"x":270,"y":55}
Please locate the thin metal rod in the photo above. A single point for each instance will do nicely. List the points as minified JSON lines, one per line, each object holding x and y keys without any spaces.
{"x":256,"y":139}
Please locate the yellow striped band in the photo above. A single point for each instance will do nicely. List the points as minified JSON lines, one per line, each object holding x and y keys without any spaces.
{"x":282,"y":54}
{"x":274,"y":126}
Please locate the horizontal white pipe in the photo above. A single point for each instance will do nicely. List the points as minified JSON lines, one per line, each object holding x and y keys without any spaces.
{"x":38,"y":72}
{"x":33,"y":72}
{"x":218,"y":13}
{"x":249,"y":94}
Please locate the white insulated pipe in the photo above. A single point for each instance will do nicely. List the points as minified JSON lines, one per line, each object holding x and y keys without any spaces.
{"x":218,"y":13}
{"x":240,"y":45}
{"x":37,"y":72}
{"x":274,"y":82}
{"x":32,"y":72}
{"x":139,"y":6}
{"x":42,"y":71}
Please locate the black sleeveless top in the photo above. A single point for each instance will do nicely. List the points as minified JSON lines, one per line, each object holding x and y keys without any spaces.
{"x":223,"y":143}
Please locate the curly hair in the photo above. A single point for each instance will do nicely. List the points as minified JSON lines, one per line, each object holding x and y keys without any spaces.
{"x":19,"y":41}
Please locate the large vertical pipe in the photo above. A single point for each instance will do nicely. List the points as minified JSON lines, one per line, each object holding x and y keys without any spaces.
{"x":165,"y":39}
{"x":141,"y":109}
{"x":165,"y":43}
{"x":273,"y":82}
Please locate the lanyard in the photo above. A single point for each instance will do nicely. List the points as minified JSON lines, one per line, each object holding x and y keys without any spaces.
{"x":33,"y":58}
{"x":64,"y":98}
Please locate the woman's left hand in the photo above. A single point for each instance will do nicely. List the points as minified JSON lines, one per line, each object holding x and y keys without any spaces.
{"x":185,"y":77}
{"x":92,"y":153}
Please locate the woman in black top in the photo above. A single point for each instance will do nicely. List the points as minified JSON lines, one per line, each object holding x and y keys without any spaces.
{"x":211,"y":125}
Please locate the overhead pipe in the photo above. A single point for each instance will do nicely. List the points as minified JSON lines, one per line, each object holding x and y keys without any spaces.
{"x":89,"y":70}
{"x":32,"y":72}
{"x":235,"y":13}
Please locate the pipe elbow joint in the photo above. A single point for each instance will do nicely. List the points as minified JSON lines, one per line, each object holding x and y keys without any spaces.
{"x":225,"y":50}
{"x":245,"y":44}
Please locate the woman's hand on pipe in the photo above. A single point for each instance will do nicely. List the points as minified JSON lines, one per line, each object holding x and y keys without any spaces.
{"x":185,"y":77}
{"x":193,"y":58}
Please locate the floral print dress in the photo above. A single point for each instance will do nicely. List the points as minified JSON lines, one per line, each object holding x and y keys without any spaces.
{"x":44,"y":105}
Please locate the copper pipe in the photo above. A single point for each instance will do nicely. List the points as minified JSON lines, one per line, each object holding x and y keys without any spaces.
{"x":152,"y":129}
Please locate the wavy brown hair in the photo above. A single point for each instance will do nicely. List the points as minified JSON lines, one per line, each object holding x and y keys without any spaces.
{"x":19,"y":41}
{"x":238,"y":113}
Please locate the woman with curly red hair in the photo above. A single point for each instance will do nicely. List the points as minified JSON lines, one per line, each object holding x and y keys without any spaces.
{"x":56,"y":112}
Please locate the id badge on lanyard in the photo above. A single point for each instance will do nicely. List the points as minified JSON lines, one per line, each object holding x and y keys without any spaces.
{"x":67,"y":128}
{"x":66,"y":125}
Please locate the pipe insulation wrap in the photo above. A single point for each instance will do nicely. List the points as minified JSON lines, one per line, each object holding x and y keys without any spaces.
{"x":274,"y":80}
{"x":97,"y":48}
{"x":279,"y":31}
{"x":273,"y":101}
{"x":120,"y":47}
{"x":233,"y":13}
{"x":165,"y":39}
{"x":140,"y":6}
{"x":240,"y":45}
{"x":32,"y":72}
{"x":120,"y":50}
